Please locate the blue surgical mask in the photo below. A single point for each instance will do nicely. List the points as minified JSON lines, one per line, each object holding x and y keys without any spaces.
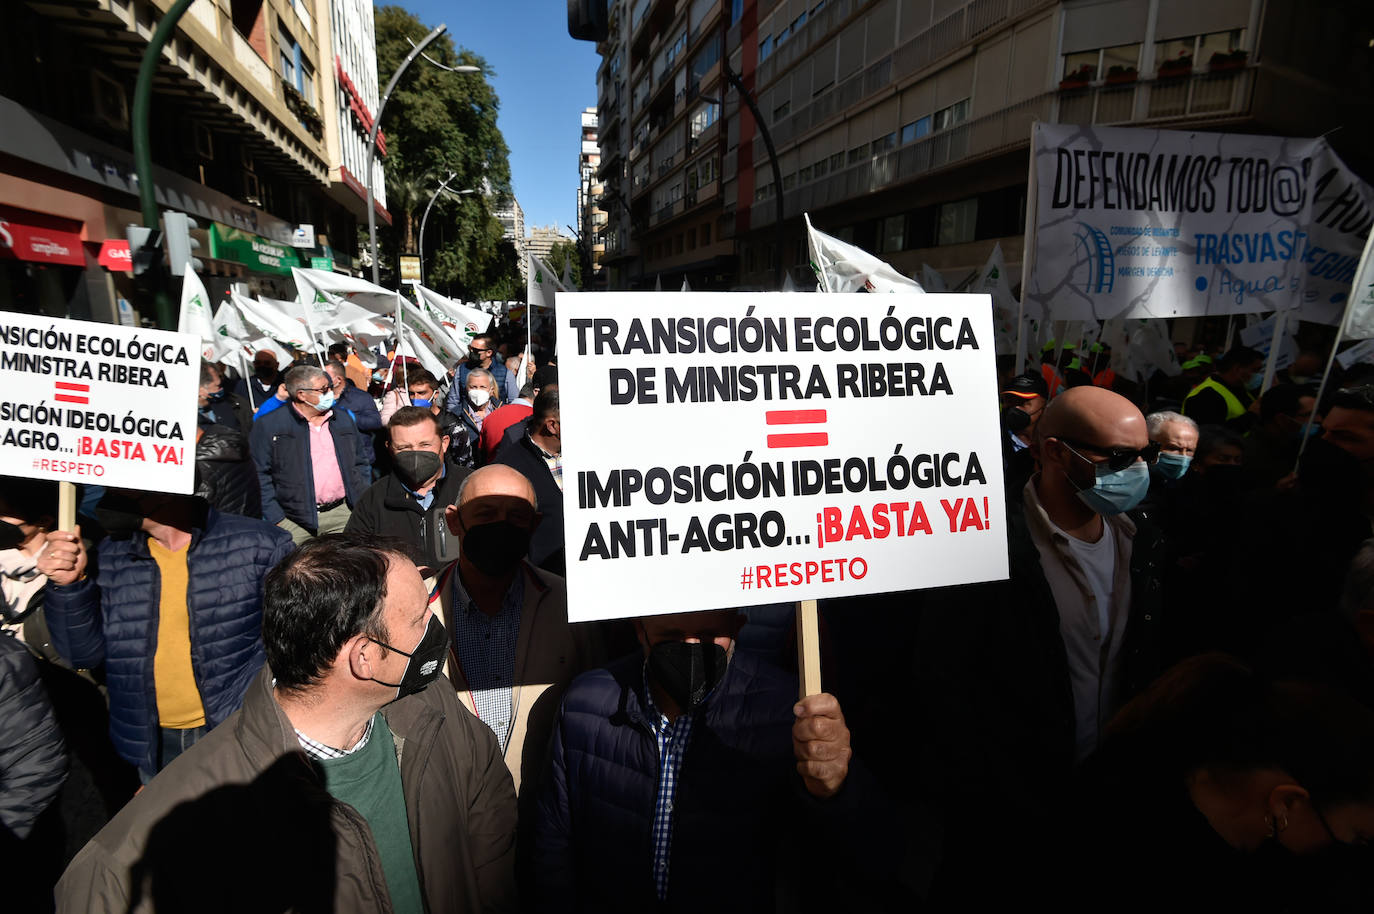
{"x":423,"y":404}
{"x":1119,"y":492}
{"x":1171,"y":465}
{"x":1307,"y":431}
{"x":1256,"y":380}
{"x":326,"y":401}
{"x":217,"y":395}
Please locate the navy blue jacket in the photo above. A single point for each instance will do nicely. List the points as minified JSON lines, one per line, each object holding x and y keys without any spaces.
{"x":739,"y":800}
{"x":111,"y":617}
{"x":364,"y":412}
{"x":458,"y":392}
{"x":280,"y":445}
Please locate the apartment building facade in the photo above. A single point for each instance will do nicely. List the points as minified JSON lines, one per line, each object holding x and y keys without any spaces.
{"x":254,"y":131}
{"x":903,"y":125}
{"x":592,"y":222}
{"x":509,"y":213}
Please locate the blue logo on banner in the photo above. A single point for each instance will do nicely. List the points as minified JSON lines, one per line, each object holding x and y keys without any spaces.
{"x":1099,"y":257}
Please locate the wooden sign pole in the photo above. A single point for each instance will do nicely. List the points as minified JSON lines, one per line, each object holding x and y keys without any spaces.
{"x":66,"y":506}
{"x":808,"y":649}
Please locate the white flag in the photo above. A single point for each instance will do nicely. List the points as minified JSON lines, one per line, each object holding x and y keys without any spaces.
{"x":567,"y":272}
{"x":463,"y":322}
{"x":541,"y":284}
{"x":993,"y":280}
{"x":787,"y":284}
{"x":658,"y":283}
{"x":685,"y":286}
{"x":196,"y":316}
{"x":273,"y":319}
{"x":1360,"y":324}
{"x":842,"y":267}
{"x":412,"y":344}
{"x":932,"y":280}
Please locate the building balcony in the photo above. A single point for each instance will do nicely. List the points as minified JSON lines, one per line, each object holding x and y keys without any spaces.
{"x":1224,"y":94}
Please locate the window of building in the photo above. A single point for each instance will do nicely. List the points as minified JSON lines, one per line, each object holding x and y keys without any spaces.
{"x":958,"y":221}
{"x":765,"y":47}
{"x":705,"y":59}
{"x":789,"y":182}
{"x":782,"y":36}
{"x":821,"y":167}
{"x":883,"y":144}
{"x":704,"y":116}
{"x":804,"y":174}
{"x":706,"y":234}
{"x":1197,"y":50}
{"x":736,"y":10}
{"x":1082,"y":66}
{"x":837,"y":161}
{"x":781,"y":111}
{"x":246,"y":15}
{"x":691,"y":239}
{"x":858,"y":153}
{"x":817,"y":8}
{"x":845,"y":233}
{"x":915,"y":130}
{"x":891,"y":233}
{"x":954,"y":114}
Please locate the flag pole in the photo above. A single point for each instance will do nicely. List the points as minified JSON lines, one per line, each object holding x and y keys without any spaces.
{"x":1027,"y":253}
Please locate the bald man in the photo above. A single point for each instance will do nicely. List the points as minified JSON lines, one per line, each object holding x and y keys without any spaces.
{"x":514,"y":651}
{"x":1018,"y":678}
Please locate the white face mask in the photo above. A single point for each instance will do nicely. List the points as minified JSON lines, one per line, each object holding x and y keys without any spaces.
{"x":478,"y":397}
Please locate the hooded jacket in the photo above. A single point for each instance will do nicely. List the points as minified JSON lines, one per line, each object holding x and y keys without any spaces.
{"x":224,"y":473}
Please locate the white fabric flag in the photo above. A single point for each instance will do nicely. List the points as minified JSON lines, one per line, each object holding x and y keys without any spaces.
{"x":359,"y":292}
{"x":993,"y":280}
{"x":197,"y":318}
{"x":273,"y":319}
{"x":842,"y":267}
{"x":567,"y":273}
{"x":685,"y":286}
{"x":463,"y":322}
{"x":429,"y":334}
{"x":1360,"y":324}
{"x":412,"y":344}
{"x":932,"y":280}
{"x":658,"y":283}
{"x":787,"y":284}
{"x":541,"y":284}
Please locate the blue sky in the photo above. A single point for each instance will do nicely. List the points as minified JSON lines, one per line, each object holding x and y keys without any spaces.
{"x":543,"y":78}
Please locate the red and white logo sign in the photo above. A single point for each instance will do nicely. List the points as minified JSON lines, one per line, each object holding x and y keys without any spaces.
{"x":38,"y":244}
{"x":115,"y":255}
{"x":72,"y":392}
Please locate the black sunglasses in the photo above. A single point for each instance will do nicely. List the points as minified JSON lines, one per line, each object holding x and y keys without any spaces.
{"x":1117,"y":458}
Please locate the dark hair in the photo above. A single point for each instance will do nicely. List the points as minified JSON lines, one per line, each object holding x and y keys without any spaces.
{"x":1360,"y":398}
{"x":1212,"y":438}
{"x":1211,"y":711}
{"x":338,"y":349}
{"x":1239,"y":355}
{"x":545,"y":405}
{"x":422,"y":377}
{"x":325,"y":592}
{"x":545,"y":375}
{"x":1283,"y":400}
{"x":407,"y":416}
{"x":29,"y":499}
{"x":207,"y":373}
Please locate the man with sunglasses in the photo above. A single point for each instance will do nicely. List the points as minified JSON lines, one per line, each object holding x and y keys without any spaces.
{"x":1019,"y":677}
{"x":310,"y":458}
{"x":481,"y":354}
{"x":1023,"y":400}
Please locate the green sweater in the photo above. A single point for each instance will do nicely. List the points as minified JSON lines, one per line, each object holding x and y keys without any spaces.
{"x":369,"y":780}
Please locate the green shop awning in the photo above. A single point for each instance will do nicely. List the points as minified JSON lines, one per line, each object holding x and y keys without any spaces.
{"x":260,"y":254}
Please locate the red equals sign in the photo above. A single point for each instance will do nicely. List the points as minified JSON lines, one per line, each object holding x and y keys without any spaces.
{"x":68,"y":392}
{"x":797,"y":417}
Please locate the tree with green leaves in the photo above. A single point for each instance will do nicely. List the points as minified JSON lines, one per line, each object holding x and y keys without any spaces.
{"x":566,"y":252}
{"x":439,"y":123}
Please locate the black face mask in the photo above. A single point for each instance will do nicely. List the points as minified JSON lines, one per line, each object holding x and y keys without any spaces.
{"x":496,"y":549}
{"x":415,"y":468}
{"x":687,"y":672}
{"x":1015,"y":419}
{"x":119,"y":515}
{"x":426,"y":661}
{"x":1327,"y":469}
{"x":11,"y":535}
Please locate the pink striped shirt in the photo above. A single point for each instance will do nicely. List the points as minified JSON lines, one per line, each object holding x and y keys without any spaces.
{"x":329,"y":484}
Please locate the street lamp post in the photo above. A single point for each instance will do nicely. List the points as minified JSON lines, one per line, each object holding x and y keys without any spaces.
{"x":443,"y":186}
{"x":416,"y":50}
{"x":733,"y":78}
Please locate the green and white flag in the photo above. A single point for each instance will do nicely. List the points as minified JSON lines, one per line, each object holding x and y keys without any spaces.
{"x":542,"y":284}
{"x":463,"y":322}
{"x":842,"y":267}
{"x":197,"y":317}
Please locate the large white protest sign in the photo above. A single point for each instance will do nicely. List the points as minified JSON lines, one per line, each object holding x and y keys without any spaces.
{"x":1173,"y":223}
{"x":725,"y":450}
{"x":98,"y":403}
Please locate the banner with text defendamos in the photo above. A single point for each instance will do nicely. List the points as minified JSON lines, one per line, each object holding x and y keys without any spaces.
{"x":730,"y":449}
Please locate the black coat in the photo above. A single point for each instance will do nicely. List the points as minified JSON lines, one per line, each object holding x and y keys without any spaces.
{"x":546,"y":546}
{"x":33,"y":757}
{"x":280,"y":445}
{"x":388,"y":509}
{"x":225,"y":476}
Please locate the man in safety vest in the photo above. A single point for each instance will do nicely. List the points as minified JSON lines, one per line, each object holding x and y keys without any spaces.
{"x":1227,"y":396}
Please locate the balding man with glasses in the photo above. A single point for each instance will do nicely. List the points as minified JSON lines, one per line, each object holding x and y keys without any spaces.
{"x":1019,"y":678}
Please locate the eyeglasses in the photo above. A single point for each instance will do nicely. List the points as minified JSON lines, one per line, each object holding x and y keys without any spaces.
{"x":319,"y":390}
{"x":1117,"y":458}
{"x":478,"y":351}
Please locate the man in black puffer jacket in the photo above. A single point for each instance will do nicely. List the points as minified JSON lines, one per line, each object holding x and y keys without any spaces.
{"x":704,"y":787}
{"x":174,"y":611}
{"x":225,"y":475}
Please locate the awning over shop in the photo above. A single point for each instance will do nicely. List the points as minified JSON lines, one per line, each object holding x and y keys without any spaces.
{"x":39,"y":238}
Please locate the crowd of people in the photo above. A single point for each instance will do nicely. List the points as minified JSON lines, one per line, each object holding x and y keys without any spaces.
{"x":340,"y":676}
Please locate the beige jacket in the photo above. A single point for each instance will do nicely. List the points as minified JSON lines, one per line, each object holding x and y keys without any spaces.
{"x":549,"y":653}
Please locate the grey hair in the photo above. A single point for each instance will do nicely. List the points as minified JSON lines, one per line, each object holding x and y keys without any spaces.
{"x":1155,"y":422}
{"x":208,"y":373}
{"x":304,"y":376}
{"x":481,"y":373}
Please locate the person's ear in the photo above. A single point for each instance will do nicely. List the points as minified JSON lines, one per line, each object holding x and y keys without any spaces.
{"x":443,"y":445}
{"x":362,"y":655}
{"x":451,"y":518}
{"x":641,"y":636}
{"x":1283,"y":801}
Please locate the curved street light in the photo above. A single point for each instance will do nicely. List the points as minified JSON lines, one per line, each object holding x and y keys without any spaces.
{"x":416,"y":50}
{"x":443,"y":186}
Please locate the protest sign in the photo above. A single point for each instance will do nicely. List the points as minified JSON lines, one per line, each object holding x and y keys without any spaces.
{"x":725,"y":450}
{"x":1172,"y":223}
{"x":98,"y":403}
